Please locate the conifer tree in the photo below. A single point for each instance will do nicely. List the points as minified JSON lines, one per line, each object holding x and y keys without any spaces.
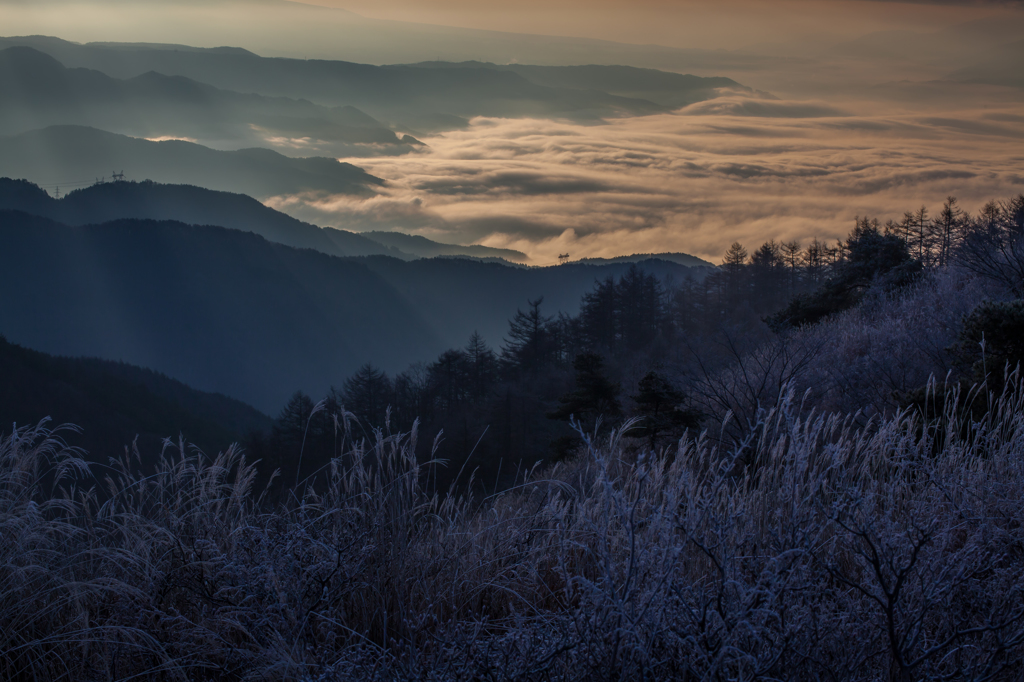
{"x":482,"y":365}
{"x":528,"y":346}
{"x":366,"y":395}
{"x":595,"y":397}
{"x":662,"y":410}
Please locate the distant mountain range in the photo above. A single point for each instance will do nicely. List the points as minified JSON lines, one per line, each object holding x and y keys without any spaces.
{"x":228,"y":311}
{"x":40,"y":91}
{"x":221,"y":310}
{"x":680,"y":258}
{"x":461,"y":295}
{"x":422,"y":97}
{"x":108,"y":201}
{"x":70,"y":156}
{"x":115,"y":403}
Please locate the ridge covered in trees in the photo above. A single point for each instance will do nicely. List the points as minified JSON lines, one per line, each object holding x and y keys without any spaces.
{"x":646,"y":349}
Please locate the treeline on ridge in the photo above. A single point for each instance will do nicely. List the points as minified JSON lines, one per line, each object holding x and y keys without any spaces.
{"x":639,"y":347}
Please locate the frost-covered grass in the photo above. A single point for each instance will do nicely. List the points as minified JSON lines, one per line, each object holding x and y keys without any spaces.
{"x":815,"y":551}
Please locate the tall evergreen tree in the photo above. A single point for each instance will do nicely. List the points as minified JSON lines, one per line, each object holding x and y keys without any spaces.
{"x":640,"y":309}
{"x":367,"y":395}
{"x":449,"y":380}
{"x":594,"y":398}
{"x":528,"y":346}
{"x":482,"y":366}
{"x":598,"y":315}
{"x":662,"y":410}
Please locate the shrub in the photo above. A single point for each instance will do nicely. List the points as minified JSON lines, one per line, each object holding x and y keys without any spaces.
{"x":817,"y":550}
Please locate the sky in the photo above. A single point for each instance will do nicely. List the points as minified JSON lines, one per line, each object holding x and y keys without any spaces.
{"x":856,"y":113}
{"x":727,"y":24}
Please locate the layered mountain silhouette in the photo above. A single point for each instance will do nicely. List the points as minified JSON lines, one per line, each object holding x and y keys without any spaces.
{"x":40,"y":91}
{"x":228,"y":311}
{"x":461,"y":295}
{"x":75,"y":155}
{"x":107,"y":201}
{"x":422,"y":96}
{"x":115,"y":403}
{"x":680,"y":258}
{"x":218,"y":309}
{"x":110,"y":201}
{"x":316,"y":32}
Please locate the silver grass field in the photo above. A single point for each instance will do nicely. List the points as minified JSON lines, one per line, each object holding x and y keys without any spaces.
{"x":818,"y":548}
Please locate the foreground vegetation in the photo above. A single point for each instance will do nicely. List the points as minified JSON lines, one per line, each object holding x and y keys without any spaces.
{"x":812,"y":505}
{"x":816,"y":551}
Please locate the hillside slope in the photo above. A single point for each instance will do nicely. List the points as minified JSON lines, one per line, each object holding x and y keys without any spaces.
{"x":40,"y":91}
{"x":59,"y":155}
{"x":114,"y":403}
{"x":429,"y":95}
{"x":221,"y":310}
{"x":183,"y":203}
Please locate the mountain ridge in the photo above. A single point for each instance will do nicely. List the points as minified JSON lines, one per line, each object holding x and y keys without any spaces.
{"x":147,"y":200}
{"x":45,"y":92}
{"x":115,"y":403}
{"x":57,"y":154}
{"x":405,"y":95}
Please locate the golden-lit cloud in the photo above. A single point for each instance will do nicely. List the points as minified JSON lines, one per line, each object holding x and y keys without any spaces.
{"x":735,"y":169}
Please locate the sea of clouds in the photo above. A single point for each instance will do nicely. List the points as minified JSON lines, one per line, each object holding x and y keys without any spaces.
{"x":737,"y":168}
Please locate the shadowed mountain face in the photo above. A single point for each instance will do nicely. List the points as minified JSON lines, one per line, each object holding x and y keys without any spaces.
{"x":460,"y":295}
{"x":74,"y":155}
{"x":228,"y":311}
{"x":115,"y":403}
{"x":184,"y":203}
{"x":40,"y":91}
{"x":218,"y":309}
{"x":425,"y":96}
{"x":679,"y":258}
{"x":104,"y":202}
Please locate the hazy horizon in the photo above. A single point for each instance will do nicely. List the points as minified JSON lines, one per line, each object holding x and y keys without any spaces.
{"x":856,"y":108}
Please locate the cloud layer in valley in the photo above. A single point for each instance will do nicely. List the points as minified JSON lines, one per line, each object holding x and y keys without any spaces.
{"x":733,"y":169}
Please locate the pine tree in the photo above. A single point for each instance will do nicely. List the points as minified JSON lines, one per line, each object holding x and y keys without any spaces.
{"x":661,"y":408}
{"x":734,"y":271}
{"x":639,"y":308}
{"x":946,"y":230}
{"x":482,"y":366}
{"x":448,"y":379}
{"x":595,"y":397}
{"x":366,"y":395}
{"x":598,"y":316}
{"x":528,"y":346}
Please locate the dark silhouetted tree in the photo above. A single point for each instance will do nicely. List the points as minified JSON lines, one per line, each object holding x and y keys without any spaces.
{"x":367,"y":394}
{"x":482,"y":367}
{"x":594,"y":398}
{"x":528,"y":347}
{"x":872,"y":259}
{"x":664,"y":416}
